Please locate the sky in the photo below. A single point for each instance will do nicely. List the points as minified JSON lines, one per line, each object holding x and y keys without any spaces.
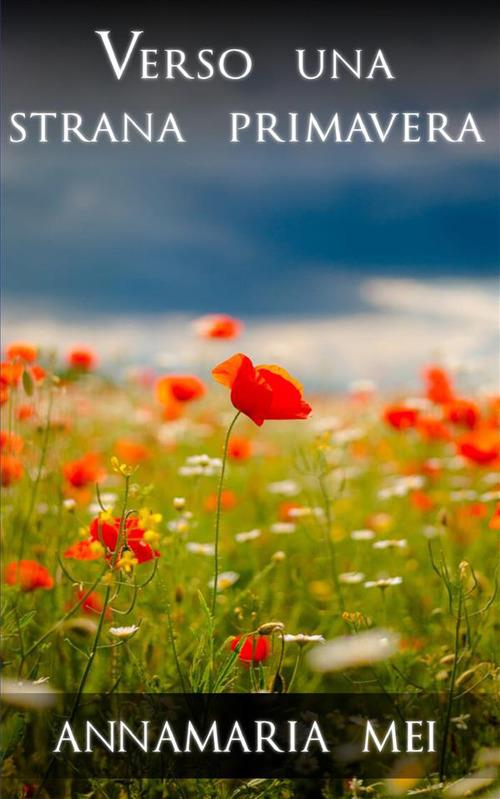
{"x":298,"y":234}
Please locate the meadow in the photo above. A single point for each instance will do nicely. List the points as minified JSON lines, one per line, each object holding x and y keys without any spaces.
{"x":234,"y":533}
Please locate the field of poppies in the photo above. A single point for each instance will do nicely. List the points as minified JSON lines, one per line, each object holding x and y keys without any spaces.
{"x":231,"y":532}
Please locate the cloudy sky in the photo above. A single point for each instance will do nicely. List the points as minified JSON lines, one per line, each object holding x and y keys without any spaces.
{"x":339,"y":243}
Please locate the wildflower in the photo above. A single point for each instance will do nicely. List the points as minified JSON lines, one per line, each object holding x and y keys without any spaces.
{"x":438,"y":385}
{"x":82,"y":359}
{"x":278,"y":556}
{"x":29,"y":575}
{"x":24,"y":411}
{"x":148,"y":519}
{"x":11,"y":470}
{"x":239,"y":448}
{"x":179,"y":503}
{"x":85,"y":550}
{"x":10,"y":373}
{"x":131,"y":452}
{"x":391,"y":543}
{"x":286,"y":509}
{"x":200,"y":549}
{"x":301,"y":639}
{"x":432,"y":429}
{"x":481,"y":446}
{"x":21,"y":350}
{"x":254,"y":649}
{"x":351,"y":651}
{"x":181,"y":388}
{"x":400,"y":417}
{"x":462,"y":412}
{"x":384,"y":582}
{"x":494,"y":523}
{"x":105,"y":529}
{"x":301,"y":512}
{"x":83,"y":471}
{"x":219,"y":326}
{"x":200,"y":466}
{"x":461,"y":721}
{"x":225,"y":580}
{"x":288,"y":488}
{"x":362,"y":535}
{"x":93,"y":603}
{"x":228,"y":501}
{"x":37,"y":372}
{"x":421,"y":501}
{"x":351,"y":578}
{"x":127,"y":560}
{"x":283,"y":528}
{"x":262,"y":392}
{"x":123,"y":632}
{"x":250,"y":535}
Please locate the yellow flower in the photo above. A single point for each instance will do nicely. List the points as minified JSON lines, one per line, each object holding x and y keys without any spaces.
{"x":127,"y":561}
{"x":96,"y":547}
{"x":152,"y":537}
{"x":122,"y":468}
{"x":149,"y":520}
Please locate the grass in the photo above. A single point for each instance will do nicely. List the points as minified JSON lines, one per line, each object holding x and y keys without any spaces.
{"x":307,"y":487}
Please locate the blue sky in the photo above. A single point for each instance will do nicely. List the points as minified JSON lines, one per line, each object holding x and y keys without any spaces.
{"x":309,"y":233}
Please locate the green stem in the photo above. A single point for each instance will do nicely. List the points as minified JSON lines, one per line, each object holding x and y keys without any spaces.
{"x":61,"y":621}
{"x":218,"y":512}
{"x":447,"y":720}
{"x":295,"y":669}
{"x":100,"y":624}
{"x":36,"y":482}
{"x":329,"y":544}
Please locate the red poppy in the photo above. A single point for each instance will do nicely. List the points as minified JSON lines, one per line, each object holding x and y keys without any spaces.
{"x":37,"y":372}
{"x":218,"y":326}
{"x":107,"y":531}
{"x":261,"y":392}
{"x":28,"y":574}
{"x":83,"y":471}
{"x":477,"y":510}
{"x":11,"y":470}
{"x":4,"y":394}
{"x":10,"y":442}
{"x":255,"y":648}
{"x":401,"y":417}
{"x":84,"y":550}
{"x":481,"y":446}
{"x":239,"y":449}
{"x":82,"y":359}
{"x":432,"y":429}
{"x":10,"y":373}
{"x":181,"y":388}
{"x":228,"y":501}
{"x":93,"y":604}
{"x":131,"y":452}
{"x":438,"y":385}
{"x":284,"y":509}
{"x":21,"y":350}
{"x":462,"y":412}
{"x":421,"y":501}
{"x":494,"y":523}
{"x":25,"y":412}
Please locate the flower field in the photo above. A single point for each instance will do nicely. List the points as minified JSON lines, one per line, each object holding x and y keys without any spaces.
{"x":233,"y":532}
